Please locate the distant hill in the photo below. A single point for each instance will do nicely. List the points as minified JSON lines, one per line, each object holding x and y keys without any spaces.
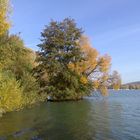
{"x":132,"y":85}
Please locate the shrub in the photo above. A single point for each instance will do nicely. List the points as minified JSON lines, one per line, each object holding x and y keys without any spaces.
{"x":10,"y":93}
{"x":30,"y":90}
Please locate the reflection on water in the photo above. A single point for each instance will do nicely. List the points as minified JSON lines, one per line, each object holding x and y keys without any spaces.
{"x":115,"y":117}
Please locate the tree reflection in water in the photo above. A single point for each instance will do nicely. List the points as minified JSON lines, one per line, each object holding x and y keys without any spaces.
{"x":83,"y":120}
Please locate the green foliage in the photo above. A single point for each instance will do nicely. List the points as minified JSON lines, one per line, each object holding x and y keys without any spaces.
{"x":67,"y":86}
{"x":14,"y":55}
{"x":15,"y":95}
{"x":66,"y":67}
{"x":20,"y":88}
{"x":30,"y":90}
{"x":60,"y":48}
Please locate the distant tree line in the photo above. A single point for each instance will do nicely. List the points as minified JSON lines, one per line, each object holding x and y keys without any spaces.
{"x":130,"y":86}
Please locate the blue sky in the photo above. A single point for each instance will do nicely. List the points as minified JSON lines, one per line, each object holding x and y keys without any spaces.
{"x":113,"y":27}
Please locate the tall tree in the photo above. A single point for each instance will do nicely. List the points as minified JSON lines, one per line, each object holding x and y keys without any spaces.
{"x":14,"y":56}
{"x":68,"y":67}
{"x":4,"y":13}
{"x":94,"y":66}
{"x":58,"y":50}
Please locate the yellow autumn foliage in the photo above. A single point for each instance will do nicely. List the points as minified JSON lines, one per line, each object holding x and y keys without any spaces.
{"x":92,"y":60}
{"x":77,"y":67}
{"x":10,"y":93}
{"x":83,"y":80}
{"x":103,"y":90}
{"x":90,"y":55}
{"x":95,"y":84}
{"x":4,"y":10}
{"x":116,"y":86}
{"x":104,"y":62}
{"x":93,"y":65}
{"x":71,"y":66}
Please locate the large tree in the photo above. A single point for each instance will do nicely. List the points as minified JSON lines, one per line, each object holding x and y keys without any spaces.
{"x":58,"y":50}
{"x":94,"y":67}
{"x":14,"y":56}
{"x":68,"y":66}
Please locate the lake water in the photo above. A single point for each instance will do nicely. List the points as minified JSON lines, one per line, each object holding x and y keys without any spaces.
{"x":116,"y":117}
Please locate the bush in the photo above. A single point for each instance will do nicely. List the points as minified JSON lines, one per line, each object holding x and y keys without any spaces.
{"x":10,"y":93}
{"x":15,"y":95}
{"x":30,"y":90}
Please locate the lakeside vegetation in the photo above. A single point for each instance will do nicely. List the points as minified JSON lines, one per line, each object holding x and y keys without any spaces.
{"x":66,"y":67}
